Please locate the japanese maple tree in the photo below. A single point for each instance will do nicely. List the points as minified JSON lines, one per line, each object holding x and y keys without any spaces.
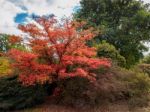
{"x":57,"y":52}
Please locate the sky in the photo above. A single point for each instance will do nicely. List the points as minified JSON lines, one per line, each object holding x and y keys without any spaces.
{"x":14,"y":12}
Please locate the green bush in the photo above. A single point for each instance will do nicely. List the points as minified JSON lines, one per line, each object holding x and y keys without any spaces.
{"x":107,"y":50}
{"x":14,"y":96}
{"x":137,"y":86}
{"x":5,"y":67}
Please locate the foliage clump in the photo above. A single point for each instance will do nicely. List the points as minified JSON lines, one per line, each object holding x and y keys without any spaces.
{"x":5,"y":66}
{"x":107,"y":50}
{"x":136,"y":86}
{"x":4,"y":46}
{"x":8,"y":42}
{"x":14,"y":96}
{"x":112,"y":85}
{"x":122,"y":23}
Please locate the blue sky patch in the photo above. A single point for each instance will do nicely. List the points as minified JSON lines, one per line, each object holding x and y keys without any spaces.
{"x":76,"y":8}
{"x":21,"y":18}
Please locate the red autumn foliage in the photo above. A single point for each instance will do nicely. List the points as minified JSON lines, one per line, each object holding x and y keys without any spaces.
{"x":58,"y":52}
{"x":14,"y":39}
{"x":31,"y":72}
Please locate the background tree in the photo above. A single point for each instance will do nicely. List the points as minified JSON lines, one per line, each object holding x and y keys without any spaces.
{"x":10,"y":41}
{"x":4,"y":43}
{"x":123,"y":23}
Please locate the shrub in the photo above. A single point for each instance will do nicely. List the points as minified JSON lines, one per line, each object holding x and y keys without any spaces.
{"x":145,"y":68}
{"x":107,"y":50}
{"x":14,"y":96}
{"x":137,"y":86}
{"x":138,"y":101}
{"x":111,"y":85}
{"x":5,"y":67}
{"x":80,"y":92}
{"x":73,"y":91}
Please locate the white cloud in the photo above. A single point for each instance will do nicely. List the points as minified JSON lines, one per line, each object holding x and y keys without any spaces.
{"x":147,"y":1}
{"x":7,"y":13}
{"x":57,"y":7}
{"x":10,"y":8}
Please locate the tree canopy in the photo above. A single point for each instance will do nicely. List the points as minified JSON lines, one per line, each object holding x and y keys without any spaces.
{"x":107,"y":50}
{"x":58,"y":52}
{"x":123,"y":23}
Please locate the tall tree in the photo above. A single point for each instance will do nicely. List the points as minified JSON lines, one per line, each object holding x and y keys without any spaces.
{"x":58,"y":52}
{"x":123,"y":23}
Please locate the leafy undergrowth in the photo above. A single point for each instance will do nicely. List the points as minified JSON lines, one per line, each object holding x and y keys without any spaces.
{"x":132,"y":99}
{"x":107,"y":107}
{"x":14,"y":96}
